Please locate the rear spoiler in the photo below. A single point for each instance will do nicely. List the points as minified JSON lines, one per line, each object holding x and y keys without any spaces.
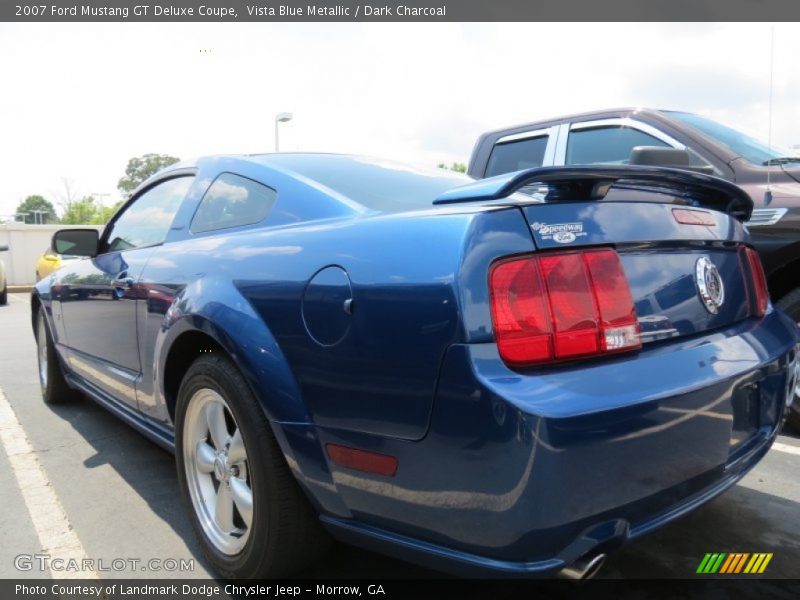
{"x":581,"y":183}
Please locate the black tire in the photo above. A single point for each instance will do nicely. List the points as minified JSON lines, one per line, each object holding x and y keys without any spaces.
{"x":286,"y":534}
{"x":55,"y":389}
{"x":790,"y":304}
{"x":4,"y":296}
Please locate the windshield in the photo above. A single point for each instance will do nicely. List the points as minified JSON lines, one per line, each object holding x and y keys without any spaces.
{"x":747,"y":147}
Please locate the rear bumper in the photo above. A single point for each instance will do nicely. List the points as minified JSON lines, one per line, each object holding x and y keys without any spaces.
{"x":601,"y":538}
{"x":523,"y":473}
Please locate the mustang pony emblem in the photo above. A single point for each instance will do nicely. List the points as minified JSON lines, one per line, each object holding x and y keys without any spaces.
{"x":709,"y":285}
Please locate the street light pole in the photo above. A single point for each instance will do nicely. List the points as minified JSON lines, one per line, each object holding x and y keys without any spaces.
{"x":280,"y":118}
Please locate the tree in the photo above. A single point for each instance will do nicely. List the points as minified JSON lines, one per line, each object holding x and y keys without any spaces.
{"x":107,"y":213}
{"x":87,"y":212}
{"x":67,"y":196}
{"x":34,"y":203}
{"x":140,"y":168}
{"x":81,"y":212}
{"x":457,"y":167}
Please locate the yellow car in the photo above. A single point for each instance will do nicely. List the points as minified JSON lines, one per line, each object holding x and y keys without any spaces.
{"x":49,"y":261}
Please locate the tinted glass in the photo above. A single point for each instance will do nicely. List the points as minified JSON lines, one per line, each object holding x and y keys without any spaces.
{"x":749,"y":148}
{"x":147,"y":221}
{"x":517,"y":155}
{"x":606,"y":145}
{"x":380,"y":185}
{"x":232,"y":201}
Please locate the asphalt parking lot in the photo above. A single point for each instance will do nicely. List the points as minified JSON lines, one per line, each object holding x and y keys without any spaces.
{"x":120,"y":499}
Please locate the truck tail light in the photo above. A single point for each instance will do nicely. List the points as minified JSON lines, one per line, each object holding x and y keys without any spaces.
{"x":760,"y":299}
{"x":560,"y":306}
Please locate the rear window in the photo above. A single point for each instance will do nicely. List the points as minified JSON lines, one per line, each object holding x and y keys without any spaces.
{"x":517,"y":155}
{"x":384,"y":186}
{"x":232,"y":201}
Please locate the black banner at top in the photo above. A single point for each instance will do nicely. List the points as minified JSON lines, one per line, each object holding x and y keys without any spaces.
{"x":397,"y":10}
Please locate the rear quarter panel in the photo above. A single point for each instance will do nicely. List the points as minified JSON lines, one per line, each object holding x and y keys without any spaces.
{"x":407,"y":277}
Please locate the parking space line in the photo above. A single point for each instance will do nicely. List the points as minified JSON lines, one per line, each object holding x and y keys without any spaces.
{"x":786,"y":448}
{"x":56,"y":536}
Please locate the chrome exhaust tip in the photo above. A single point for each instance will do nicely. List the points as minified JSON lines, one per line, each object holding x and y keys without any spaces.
{"x":585,"y":567}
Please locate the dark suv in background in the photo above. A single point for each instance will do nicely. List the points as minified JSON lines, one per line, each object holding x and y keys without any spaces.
{"x":771,"y":176}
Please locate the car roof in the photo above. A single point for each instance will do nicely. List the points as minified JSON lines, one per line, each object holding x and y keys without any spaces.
{"x":362,"y":183}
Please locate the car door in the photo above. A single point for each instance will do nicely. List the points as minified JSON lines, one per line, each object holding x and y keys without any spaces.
{"x":98,"y":295}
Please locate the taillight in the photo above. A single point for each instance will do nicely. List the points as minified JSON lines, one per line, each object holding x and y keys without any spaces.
{"x":758,"y":304}
{"x":559,"y":306}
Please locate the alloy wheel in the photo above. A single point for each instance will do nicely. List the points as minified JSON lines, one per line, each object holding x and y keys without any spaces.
{"x":217,"y":471}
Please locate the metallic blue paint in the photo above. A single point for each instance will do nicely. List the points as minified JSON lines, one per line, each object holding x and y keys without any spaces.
{"x":500,"y":471}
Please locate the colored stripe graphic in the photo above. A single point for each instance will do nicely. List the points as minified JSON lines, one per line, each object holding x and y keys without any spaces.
{"x":711,"y":562}
{"x":728,"y":563}
{"x":740,"y":564}
{"x":734,"y":563}
{"x":758,"y":563}
{"x":703,"y":564}
{"x":765,"y":563}
{"x":752,"y":564}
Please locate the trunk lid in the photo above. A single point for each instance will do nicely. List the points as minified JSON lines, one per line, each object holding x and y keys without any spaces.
{"x":666,"y":262}
{"x":679,"y":235}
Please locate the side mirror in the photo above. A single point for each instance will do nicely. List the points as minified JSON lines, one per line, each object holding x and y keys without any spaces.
{"x":3,"y":248}
{"x":76,"y":242}
{"x":658,"y":156}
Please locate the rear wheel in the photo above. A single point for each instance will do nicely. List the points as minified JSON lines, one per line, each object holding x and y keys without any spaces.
{"x":247,"y":510}
{"x":55,"y":389}
{"x":790,"y":304}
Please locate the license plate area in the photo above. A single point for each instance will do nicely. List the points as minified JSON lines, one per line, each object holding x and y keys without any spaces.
{"x":746,"y":414}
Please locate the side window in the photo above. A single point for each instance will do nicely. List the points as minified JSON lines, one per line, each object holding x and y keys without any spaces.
{"x":232,"y":201}
{"x":517,"y":155}
{"x":147,"y":221}
{"x":606,"y":145}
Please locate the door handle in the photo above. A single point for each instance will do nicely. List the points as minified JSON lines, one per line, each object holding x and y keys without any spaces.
{"x":123,"y":282}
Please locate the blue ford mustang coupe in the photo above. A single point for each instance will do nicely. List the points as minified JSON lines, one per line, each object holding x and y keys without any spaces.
{"x":511,"y":376}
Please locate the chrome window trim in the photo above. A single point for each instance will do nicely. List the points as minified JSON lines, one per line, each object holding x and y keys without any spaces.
{"x":561,"y":154}
{"x":524,"y":135}
{"x":631,"y":123}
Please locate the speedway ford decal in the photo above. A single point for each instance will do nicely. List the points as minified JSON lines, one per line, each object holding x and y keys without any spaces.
{"x":563,"y":233}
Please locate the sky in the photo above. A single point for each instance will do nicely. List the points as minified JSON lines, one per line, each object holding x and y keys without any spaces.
{"x":79,"y":100}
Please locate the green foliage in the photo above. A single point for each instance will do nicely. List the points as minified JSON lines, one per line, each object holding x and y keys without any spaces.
{"x":140,"y":168}
{"x":456,"y":166}
{"x":88,"y":212}
{"x":37,"y":203}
